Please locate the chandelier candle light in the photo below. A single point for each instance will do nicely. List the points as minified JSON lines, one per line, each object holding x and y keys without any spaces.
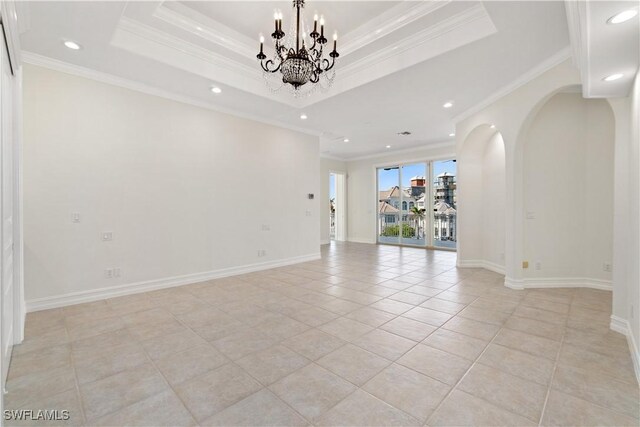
{"x":299,"y":64}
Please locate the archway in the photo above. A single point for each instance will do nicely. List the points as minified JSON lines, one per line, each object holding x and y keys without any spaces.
{"x":564,"y":209}
{"x":481,"y":200}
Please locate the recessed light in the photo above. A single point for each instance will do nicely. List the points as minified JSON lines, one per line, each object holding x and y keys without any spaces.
{"x":613,"y":77}
{"x":452,"y":134}
{"x":623,"y":16}
{"x":72,"y":45}
{"x":303,"y":116}
{"x":447,"y":104}
{"x":346,"y":140}
{"x":216,"y":90}
{"x":199,"y":28}
{"x":388,"y":146}
{"x":493,"y":126}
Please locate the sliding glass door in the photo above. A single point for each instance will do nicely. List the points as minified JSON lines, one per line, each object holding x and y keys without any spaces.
{"x":416,"y":204}
{"x":389,"y":204}
{"x":444,"y":204}
{"x":414,"y":192}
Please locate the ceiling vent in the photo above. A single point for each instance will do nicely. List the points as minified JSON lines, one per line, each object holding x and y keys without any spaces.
{"x":404,"y":133}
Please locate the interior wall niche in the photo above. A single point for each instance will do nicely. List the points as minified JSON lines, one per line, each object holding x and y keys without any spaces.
{"x":568,"y":190}
{"x":481,"y":200}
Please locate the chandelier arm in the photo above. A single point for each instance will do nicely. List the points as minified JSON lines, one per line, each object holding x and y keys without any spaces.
{"x":328,"y":64}
{"x":265,"y":66}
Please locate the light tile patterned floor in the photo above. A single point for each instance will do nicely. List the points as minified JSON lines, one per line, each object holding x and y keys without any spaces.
{"x":369,"y":335}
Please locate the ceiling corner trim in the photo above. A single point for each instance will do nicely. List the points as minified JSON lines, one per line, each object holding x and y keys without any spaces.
{"x":525,"y":78}
{"x":577,"y":21}
{"x":111,"y":79}
{"x":386,"y":153}
{"x":212,"y":31}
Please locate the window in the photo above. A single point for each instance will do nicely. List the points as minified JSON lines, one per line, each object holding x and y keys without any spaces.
{"x":404,"y":206}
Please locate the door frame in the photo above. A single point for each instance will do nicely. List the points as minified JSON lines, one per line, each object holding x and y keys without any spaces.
{"x":341,"y":204}
{"x":10,"y":37}
{"x":399,"y":163}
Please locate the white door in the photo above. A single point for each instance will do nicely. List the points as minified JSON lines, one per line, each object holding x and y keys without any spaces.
{"x":6,"y":238}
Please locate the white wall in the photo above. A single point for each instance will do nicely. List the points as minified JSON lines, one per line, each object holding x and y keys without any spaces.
{"x":326,"y":167}
{"x":568,"y":189}
{"x":183,"y":189}
{"x":511,"y":114}
{"x":493,"y":208}
{"x":626,"y":273}
{"x":633,"y":255}
{"x":362,"y":194}
{"x":481,"y":200}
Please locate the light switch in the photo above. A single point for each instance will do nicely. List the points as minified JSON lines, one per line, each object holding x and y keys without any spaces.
{"x":107,"y":236}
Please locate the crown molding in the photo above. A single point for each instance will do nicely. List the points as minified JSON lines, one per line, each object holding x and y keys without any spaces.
{"x":468,"y":25}
{"x":200,"y":25}
{"x":460,"y":20}
{"x":9,"y":22}
{"x":525,"y":78}
{"x":463,"y":28}
{"x":388,"y":22}
{"x":427,"y":146}
{"x":141,"y":39}
{"x":76,"y":70}
{"x":577,"y":21}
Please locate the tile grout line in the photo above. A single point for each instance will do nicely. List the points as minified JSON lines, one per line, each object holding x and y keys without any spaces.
{"x":555,"y":365}
{"x":75,"y":373}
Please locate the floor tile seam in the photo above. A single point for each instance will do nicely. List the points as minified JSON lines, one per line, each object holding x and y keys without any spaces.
{"x":168,"y":385}
{"x":71,"y":364}
{"x":555,"y":367}
{"x":76,"y":381}
{"x":361,"y":388}
{"x":558,"y":364}
{"x":313,"y":362}
{"x":267,"y":387}
{"x":455,"y":386}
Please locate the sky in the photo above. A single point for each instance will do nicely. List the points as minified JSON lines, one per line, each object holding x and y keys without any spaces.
{"x":388,"y":179}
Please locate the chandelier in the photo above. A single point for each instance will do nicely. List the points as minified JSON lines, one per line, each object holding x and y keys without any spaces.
{"x":296,"y":60}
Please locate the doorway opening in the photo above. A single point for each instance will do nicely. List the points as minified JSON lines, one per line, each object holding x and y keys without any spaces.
{"x":417,"y":204}
{"x":337,"y":206}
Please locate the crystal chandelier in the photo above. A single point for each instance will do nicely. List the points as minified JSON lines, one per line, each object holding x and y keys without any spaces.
{"x":299,"y":63}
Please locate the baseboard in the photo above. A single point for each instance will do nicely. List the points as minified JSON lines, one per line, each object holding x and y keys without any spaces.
{"x":558,"y":282}
{"x":358,"y":240}
{"x":325,"y":242}
{"x":622,"y":326}
{"x":478,"y":263}
{"x":151,"y":285}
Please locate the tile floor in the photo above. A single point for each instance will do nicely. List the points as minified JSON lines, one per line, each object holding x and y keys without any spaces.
{"x":369,"y":335}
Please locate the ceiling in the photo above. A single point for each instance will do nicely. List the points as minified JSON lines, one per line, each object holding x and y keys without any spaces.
{"x":601,"y":49}
{"x":400,"y":60}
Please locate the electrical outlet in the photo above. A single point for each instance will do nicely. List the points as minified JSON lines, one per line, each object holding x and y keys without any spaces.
{"x":116,"y":272}
{"x":262,"y":252}
{"x":308,"y":213}
{"x":606,"y":266}
{"x":108,"y":273}
{"x":538,"y":265}
{"x":107,"y":236}
{"x":266,"y":227}
{"x":75,"y":217}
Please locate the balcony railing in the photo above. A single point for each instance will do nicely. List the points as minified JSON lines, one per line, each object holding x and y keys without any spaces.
{"x":414,"y":228}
